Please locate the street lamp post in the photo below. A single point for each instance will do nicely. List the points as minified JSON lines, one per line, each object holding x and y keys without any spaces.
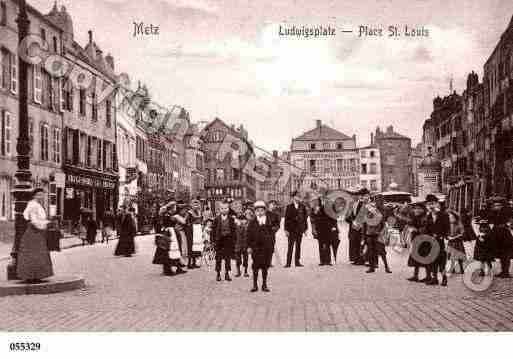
{"x":23,"y":187}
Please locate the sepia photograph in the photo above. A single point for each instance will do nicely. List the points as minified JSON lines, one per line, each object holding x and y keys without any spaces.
{"x":237,"y":166}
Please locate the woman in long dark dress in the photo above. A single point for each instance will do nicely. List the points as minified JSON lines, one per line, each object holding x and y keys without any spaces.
{"x":418,"y":249}
{"x":128,"y":228}
{"x":33,"y":259}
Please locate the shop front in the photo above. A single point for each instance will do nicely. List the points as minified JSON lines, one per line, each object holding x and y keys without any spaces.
{"x":89,"y":193}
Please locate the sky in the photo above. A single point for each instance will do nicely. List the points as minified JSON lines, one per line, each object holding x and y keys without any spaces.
{"x":225,"y":58}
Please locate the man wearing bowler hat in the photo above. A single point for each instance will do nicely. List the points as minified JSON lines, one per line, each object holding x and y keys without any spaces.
{"x":295,"y":227}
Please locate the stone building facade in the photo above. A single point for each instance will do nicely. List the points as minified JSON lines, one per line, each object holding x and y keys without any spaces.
{"x":395,"y":150}
{"x":326,"y":159}
{"x":45,"y":110}
{"x":227,"y":177}
{"x":370,"y":167}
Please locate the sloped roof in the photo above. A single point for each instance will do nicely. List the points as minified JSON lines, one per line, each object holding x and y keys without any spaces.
{"x":322,"y":132}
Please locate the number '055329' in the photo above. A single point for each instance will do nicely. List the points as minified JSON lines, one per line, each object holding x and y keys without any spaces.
{"x":24,"y":346}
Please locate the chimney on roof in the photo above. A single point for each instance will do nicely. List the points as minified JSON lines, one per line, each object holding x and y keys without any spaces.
{"x":110,"y":60}
{"x":372,"y":138}
{"x":318,"y":123}
{"x":275,"y":154}
{"x":390,"y":129}
{"x":90,"y":32}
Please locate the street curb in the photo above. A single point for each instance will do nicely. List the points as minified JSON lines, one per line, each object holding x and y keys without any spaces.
{"x":3,"y":259}
{"x":54,"y":285}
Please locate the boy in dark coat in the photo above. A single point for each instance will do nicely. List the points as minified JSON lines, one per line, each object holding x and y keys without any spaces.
{"x":261,"y":241}
{"x":224,"y":232}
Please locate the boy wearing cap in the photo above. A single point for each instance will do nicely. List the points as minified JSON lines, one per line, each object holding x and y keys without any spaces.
{"x":224,"y":232}
{"x":261,"y":240}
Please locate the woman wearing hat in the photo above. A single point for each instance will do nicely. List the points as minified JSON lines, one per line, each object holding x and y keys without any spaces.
{"x":437,"y":226}
{"x":261,"y":240}
{"x":419,"y":249}
{"x":498,"y":217}
{"x":34,"y":262}
{"x":128,"y":228}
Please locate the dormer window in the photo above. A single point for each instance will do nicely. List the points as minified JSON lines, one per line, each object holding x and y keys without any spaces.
{"x":312,"y":146}
{"x":339,"y":146}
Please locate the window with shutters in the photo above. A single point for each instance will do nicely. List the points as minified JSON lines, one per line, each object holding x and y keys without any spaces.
{"x":94,"y":107}
{"x":108,"y":113}
{"x":6,"y":133}
{"x":3,"y":76}
{"x":69,"y":145}
{"x":14,"y":74}
{"x":31,"y":136}
{"x":83,"y":149}
{"x":66,"y":95}
{"x":3,"y":13}
{"x":57,"y":145}
{"x":82,"y":102}
{"x":44,"y":141}
{"x":38,"y":84}
{"x":99,"y":154}
{"x":89,"y":151}
{"x":55,"y":46}
{"x":43,"y":34}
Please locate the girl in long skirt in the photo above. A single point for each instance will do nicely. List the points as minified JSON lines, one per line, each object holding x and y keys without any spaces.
{"x":33,"y":258}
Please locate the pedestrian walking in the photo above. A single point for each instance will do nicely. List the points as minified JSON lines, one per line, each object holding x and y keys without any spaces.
{"x":261,"y":241}
{"x":128,"y":230}
{"x":295,"y":227}
{"x":419,"y":248}
{"x":469,"y":234}
{"x":484,"y":247}
{"x":224,"y":235}
{"x":455,"y":246}
{"x":437,"y":226}
{"x":34,"y":263}
{"x":91,"y":229}
{"x":498,"y":216}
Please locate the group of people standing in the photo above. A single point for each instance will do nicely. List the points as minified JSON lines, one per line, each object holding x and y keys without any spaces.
{"x":438,"y":239}
{"x":235,"y":233}
{"x":367,"y":222}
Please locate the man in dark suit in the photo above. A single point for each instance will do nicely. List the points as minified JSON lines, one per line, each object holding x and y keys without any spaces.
{"x":261,"y":240}
{"x":224,"y":234}
{"x":437,"y":226}
{"x":325,"y":229}
{"x":295,"y":227}
{"x":355,"y":233}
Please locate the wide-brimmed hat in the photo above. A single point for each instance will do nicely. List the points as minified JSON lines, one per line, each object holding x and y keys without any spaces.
{"x":259,"y":204}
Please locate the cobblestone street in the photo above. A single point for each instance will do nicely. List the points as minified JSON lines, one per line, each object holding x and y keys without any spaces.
{"x":130,"y":294}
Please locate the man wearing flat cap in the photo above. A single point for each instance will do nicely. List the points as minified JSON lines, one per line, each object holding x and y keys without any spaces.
{"x":295,"y":227}
{"x":261,"y":240}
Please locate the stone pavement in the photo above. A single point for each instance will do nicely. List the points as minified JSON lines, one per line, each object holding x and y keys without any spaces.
{"x":130,"y":294}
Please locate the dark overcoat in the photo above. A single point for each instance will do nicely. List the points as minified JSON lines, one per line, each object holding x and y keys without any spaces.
{"x":261,"y":240}
{"x":224,"y":245}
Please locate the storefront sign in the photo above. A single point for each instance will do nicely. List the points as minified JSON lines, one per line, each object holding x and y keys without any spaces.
{"x":89,"y":181}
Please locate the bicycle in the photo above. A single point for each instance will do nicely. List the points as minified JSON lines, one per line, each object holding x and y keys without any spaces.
{"x":208,"y":256}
